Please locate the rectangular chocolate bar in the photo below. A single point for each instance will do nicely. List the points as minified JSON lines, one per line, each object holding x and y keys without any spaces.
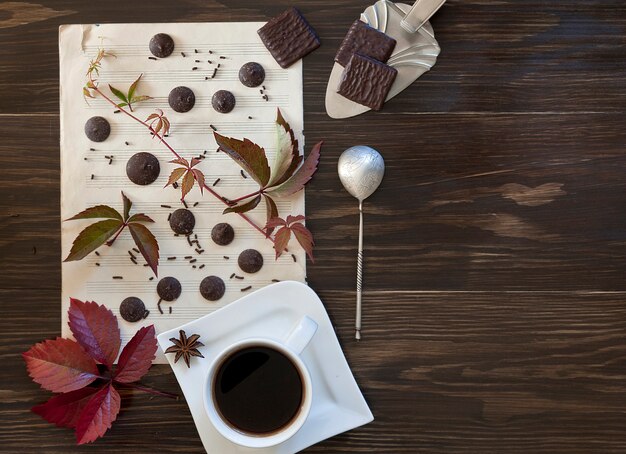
{"x":366,"y":81}
{"x":365,"y":40}
{"x":289,"y":37}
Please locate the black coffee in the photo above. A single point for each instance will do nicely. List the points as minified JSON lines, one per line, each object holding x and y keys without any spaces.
{"x":258,"y":390}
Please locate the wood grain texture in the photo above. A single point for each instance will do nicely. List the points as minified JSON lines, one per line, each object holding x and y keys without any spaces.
{"x":495,"y":249}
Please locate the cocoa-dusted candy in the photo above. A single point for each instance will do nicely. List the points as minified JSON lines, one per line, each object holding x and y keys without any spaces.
{"x":289,"y":37}
{"x":212,"y":288}
{"x":366,"y":81}
{"x":97,"y":129}
{"x":367,"y":41}
{"x":161,"y":45}
{"x":250,"y":261}
{"x":143,"y":168}
{"x":182,"y":221}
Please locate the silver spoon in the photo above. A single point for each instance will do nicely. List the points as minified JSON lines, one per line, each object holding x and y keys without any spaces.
{"x":361,"y":170}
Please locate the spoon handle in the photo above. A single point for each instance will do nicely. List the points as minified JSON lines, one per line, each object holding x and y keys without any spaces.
{"x":359,"y":274}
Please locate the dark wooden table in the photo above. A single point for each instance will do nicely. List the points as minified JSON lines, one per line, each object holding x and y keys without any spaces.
{"x":495,"y":298}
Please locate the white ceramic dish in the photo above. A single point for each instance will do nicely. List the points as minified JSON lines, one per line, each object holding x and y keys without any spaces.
{"x":271,"y":312}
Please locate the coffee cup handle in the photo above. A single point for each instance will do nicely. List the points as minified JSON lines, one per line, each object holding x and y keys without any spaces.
{"x":300,"y":336}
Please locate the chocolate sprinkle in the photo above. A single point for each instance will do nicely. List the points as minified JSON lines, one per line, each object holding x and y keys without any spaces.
{"x":152,"y":58}
{"x":245,"y":289}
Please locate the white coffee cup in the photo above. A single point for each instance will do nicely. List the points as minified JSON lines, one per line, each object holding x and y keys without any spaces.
{"x":292,"y":346}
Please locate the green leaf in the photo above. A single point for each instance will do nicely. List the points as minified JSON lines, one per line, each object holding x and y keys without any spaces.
{"x":127,"y":206}
{"x":302,"y":175}
{"x":139,"y":217}
{"x":147,"y":244}
{"x":272,"y":212}
{"x":137,"y":99}
{"x":286,"y":152}
{"x":118,"y":94}
{"x":133,"y":87}
{"x":92,"y":237}
{"x":248,"y":155}
{"x":99,"y":211}
{"x":244,"y":207}
{"x":122,"y":104}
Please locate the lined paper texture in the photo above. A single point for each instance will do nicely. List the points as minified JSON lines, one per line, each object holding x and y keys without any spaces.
{"x":95,"y":173}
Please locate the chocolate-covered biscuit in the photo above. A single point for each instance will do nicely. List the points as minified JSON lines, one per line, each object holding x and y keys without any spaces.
{"x":212,"y":288}
{"x":143,"y":168}
{"x":97,"y":129}
{"x":223,"y":101}
{"x":250,"y":261}
{"x":252,"y":74}
{"x":132,"y":309}
{"x":169,"y":288}
{"x":182,"y":221}
{"x":181,"y":99}
{"x":365,"y":40}
{"x":289,"y":37}
{"x":161,"y":45}
{"x":366,"y":81}
{"x":222,"y":234}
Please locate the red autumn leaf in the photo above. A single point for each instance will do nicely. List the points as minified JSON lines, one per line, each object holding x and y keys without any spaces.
{"x":248,"y":155}
{"x":199,"y":176}
{"x":305,"y":238}
{"x":60,"y":365}
{"x":181,"y":161}
{"x":127,"y":205}
{"x":96,"y":330}
{"x":195,"y":161}
{"x":302,"y":175}
{"x":176,"y":175}
{"x":271,"y":211}
{"x":146,"y":243}
{"x":281,"y":239}
{"x":187,"y":183}
{"x":275,"y":222}
{"x":287,"y":152}
{"x":64,"y":409}
{"x":136,"y":357}
{"x":98,"y":415}
{"x":244,"y":207}
{"x":291,"y":219}
{"x":98,"y":211}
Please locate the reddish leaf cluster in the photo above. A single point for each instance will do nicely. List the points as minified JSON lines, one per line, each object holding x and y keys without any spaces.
{"x":107,"y":231}
{"x":293,"y":224}
{"x":188,"y":174}
{"x":89,"y":403}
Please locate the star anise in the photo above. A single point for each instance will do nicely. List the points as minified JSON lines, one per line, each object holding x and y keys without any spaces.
{"x":185,"y":347}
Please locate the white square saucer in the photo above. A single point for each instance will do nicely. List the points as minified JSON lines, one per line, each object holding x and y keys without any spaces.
{"x":272,"y":312}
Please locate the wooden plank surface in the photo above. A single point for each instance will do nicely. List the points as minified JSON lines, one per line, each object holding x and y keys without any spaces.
{"x":495,"y":248}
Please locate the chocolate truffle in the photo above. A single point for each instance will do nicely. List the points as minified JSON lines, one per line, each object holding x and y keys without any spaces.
{"x":366,"y":81}
{"x":223,"y":101}
{"x":132,"y":309}
{"x":222,"y":234}
{"x":97,"y":129}
{"x":169,"y":288}
{"x":161,"y":45}
{"x":182,"y":221}
{"x":289,"y":37}
{"x":367,"y":41}
{"x":143,"y":168}
{"x":181,"y":99}
{"x":250,"y":261}
{"x":212,"y":288}
{"x":252,"y":74}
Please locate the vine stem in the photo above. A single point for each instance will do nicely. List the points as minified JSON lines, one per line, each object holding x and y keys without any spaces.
{"x":164,"y":142}
{"x":247,"y":196}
